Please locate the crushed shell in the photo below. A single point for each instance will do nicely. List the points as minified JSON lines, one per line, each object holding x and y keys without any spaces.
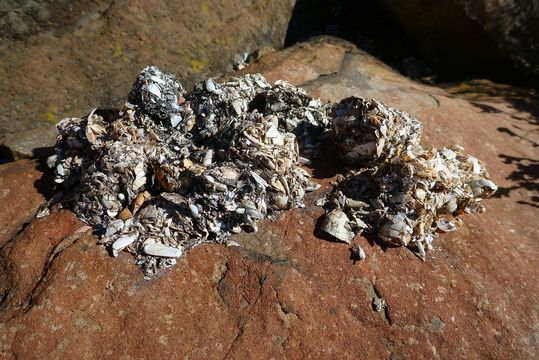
{"x":174,"y":169}
{"x":397,"y":189}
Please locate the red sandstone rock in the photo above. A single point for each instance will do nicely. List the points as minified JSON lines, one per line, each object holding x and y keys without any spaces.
{"x":287,"y":293}
{"x":19,"y":198}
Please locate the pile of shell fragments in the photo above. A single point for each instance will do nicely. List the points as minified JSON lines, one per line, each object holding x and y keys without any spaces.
{"x":175,"y":169}
{"x":396,"y":188}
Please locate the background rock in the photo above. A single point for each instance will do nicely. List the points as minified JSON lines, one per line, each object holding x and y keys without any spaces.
{"x":480,"y":36}
{"x":445,"y":41}
{"x":287,"y":293}
{"x":60,"y":58}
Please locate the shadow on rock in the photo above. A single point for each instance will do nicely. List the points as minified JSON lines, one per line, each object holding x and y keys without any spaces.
{"x":328,"y":164}
{"x":521,"y":137}
{"x":45,"y":185}
{"x":526,"y":176}
{"x":487,"y":97}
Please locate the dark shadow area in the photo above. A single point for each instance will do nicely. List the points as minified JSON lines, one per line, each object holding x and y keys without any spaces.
{"x":367,"y":24}
{"x":521,"y":137}
{"x":108,"y":114}
{"x":484,"y":95}
{"x":434,"y":43}
{"x":42,"y":153}
{"x":45,"y":185}
{"x":355,"y":254}
{"x":526,"y":176}
{"x":373,"y":239}
{"x":534,"y":202}
{"x":5,"y":155}
{"x":329,"y":163}
{"x":486,"y":108}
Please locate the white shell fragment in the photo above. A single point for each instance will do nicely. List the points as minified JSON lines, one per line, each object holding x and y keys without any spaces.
{"x":157,"y":249}
{"x":175,"y":119}
{"x":124,"y":241}
{"x":336,"y":224}
{"x":60,"y":170}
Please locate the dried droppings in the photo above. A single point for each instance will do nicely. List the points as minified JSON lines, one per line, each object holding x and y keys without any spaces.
{"x":174,"y":169}
{"x":399,"y":190}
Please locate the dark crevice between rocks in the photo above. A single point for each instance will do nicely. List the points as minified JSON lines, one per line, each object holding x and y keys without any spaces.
{"x":7,"y":282}
{"x":6,"y":155}
{"x":367,"y":24}
{"x":373,"y":27}
{"x":20,"y":231}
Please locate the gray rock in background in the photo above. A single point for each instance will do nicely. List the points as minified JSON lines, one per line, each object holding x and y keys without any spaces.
{"x":60,"y":58}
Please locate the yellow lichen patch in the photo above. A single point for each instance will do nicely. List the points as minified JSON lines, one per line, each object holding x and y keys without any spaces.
{"x":197,"y":65}
{"x":52,"y":114}
{"x":205,"y":8}
{"x":224,"y":41}
{"x":118,"y":52}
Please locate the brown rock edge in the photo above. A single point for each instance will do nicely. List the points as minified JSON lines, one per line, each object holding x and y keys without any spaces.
{"x":287,"y":293}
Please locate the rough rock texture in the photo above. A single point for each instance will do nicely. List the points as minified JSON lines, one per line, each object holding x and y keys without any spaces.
{"x":60,"y":58}
{"x":288,"y":293}
{"x":19,"y":199}
{"x":478,"y":35}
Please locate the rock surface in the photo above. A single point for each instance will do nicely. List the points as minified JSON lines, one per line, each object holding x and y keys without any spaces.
{"x":287,"y":293}
{"x":60,"y":58}
{"x":18,"y":196}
